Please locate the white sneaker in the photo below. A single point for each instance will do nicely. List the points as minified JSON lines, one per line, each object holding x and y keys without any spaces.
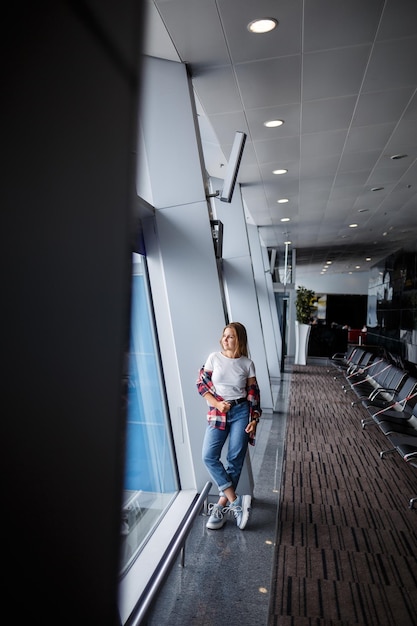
{"x":240,"y":509}
{"x":216,"y":519}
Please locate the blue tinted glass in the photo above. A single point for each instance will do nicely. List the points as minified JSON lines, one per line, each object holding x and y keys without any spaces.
{"x":150,"y":469}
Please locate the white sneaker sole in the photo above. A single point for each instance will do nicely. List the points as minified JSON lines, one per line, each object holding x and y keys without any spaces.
{"x":216,"y":525}
{"x":246,"y":505}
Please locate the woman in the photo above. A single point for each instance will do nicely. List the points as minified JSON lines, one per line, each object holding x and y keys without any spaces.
{"x":227,"y":381}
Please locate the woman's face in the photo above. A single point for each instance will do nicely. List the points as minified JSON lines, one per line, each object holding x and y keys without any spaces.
{"x":229,"y":339}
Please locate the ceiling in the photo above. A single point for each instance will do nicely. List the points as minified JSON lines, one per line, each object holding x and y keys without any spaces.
{"x":342,"y":75}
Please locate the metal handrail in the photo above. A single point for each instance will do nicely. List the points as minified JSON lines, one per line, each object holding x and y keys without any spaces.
{"x":171,"y":553}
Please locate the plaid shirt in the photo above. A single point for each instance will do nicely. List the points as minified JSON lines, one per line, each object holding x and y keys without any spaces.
{"x":215,"y":417}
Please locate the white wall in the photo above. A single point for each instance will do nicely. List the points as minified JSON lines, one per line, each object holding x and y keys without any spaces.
{"x":182,"y":265}
{"x":240,"y":285}
{"x":185,"y":286}
{"x":350,"y":284}
{"x":266,"y":300}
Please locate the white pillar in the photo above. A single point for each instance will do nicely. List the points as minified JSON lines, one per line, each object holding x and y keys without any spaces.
{"x":180,"y":252}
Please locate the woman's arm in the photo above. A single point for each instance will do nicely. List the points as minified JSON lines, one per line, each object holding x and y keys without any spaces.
{"x":254,"y":408}
{"x":205,"y":386}
{"x":221,"y":405}
{"x":254,"y":398}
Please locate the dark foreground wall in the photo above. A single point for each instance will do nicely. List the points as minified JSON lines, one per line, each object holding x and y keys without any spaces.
{"x":69,"y":104}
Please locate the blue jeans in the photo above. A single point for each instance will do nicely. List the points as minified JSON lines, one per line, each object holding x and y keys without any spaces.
{"x":214,"y":440}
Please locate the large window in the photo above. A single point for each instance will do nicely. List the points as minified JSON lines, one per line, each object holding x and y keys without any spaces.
{"x":151,"y":480}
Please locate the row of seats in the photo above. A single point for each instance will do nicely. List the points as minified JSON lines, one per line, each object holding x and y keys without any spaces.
{"x":389,"y":396}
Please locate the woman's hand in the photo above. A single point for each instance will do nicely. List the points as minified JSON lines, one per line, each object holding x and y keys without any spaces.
{"x":251,"y":427}
{"x":223,"y":406}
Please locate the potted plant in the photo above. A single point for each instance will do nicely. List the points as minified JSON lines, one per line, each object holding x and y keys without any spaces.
{"x":304,"y":306}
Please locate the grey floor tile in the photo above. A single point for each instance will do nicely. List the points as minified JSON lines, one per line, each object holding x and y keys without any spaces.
{"x":227,"y":573}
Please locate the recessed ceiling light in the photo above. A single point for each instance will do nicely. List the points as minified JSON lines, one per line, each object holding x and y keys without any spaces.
{"x":395,"y":157}
{"x":273,"y":123}
{"x":262,"y":25}
{"x":285,"y":219}
{"x":329,"y":262}
{"x":287,"y":243}
{"x":358,"y":267}
{"x":282,"y":200}
{"x":280,"y":172}
{"x":353,"y":225}
{"x":368,"y":258}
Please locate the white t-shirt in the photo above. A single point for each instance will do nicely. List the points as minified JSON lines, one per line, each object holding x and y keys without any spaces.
{"x":230,"y":376}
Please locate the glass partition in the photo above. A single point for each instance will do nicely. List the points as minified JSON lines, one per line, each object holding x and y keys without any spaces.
{"x":151,"y":479}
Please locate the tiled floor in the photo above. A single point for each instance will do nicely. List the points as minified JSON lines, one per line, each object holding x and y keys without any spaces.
{"x":227,"y":572}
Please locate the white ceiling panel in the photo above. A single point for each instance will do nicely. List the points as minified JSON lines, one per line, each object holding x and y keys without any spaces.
{"x":358,"y":161}
{"x":330,"y":144}
{"x":387,"y":66}
{"x":343,"y":78}
{"x":399,"y":19}
{"x":285,"y":148}
{"x":334,"y":73}
{"x":225,"y":125}
{"x":325,"y":115}
{"x":208,"y":82}
{"x":194,"y":27}
{"x":381,"y":107}
{"x":283,"y":41}
{"x":269,"y":82}
{"x":373,"y":137}
{"x":330,"y":24}
{"x":256,"y":118}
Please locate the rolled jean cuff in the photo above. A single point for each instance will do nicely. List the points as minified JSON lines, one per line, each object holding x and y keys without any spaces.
{"x":223,"y":487}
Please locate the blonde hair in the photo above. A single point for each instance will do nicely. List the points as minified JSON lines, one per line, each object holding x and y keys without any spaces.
{"x":242,"y":338}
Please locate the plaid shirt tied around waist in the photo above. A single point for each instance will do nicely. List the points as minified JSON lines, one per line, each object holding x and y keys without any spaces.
{"x":215,"y":417}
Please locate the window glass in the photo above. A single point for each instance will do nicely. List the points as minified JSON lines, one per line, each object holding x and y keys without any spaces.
{"x":151,"y":480}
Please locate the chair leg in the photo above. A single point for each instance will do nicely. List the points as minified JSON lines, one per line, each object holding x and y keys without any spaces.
{"x":384,"y":452}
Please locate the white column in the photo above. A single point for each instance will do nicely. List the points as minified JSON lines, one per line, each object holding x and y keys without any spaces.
{"x":180,"y":252}
{"x":240,"y":285}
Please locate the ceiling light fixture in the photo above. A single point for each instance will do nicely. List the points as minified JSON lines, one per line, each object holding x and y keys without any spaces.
{"x":377,"y":189}
{"x":262,"y":25}
{"x":329,"y":262}
{"x":368,"y":258}
{"x":353,"y":225}
{"x":285,"y":219}
{"x":395,"y":157}
{"x":278,"y":172}
{"x":282,"y":200}
{"x":287,"y":243}
{"x":273,"y":123}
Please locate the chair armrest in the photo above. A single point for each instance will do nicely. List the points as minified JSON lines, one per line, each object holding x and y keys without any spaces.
{"x":379,"y":390}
